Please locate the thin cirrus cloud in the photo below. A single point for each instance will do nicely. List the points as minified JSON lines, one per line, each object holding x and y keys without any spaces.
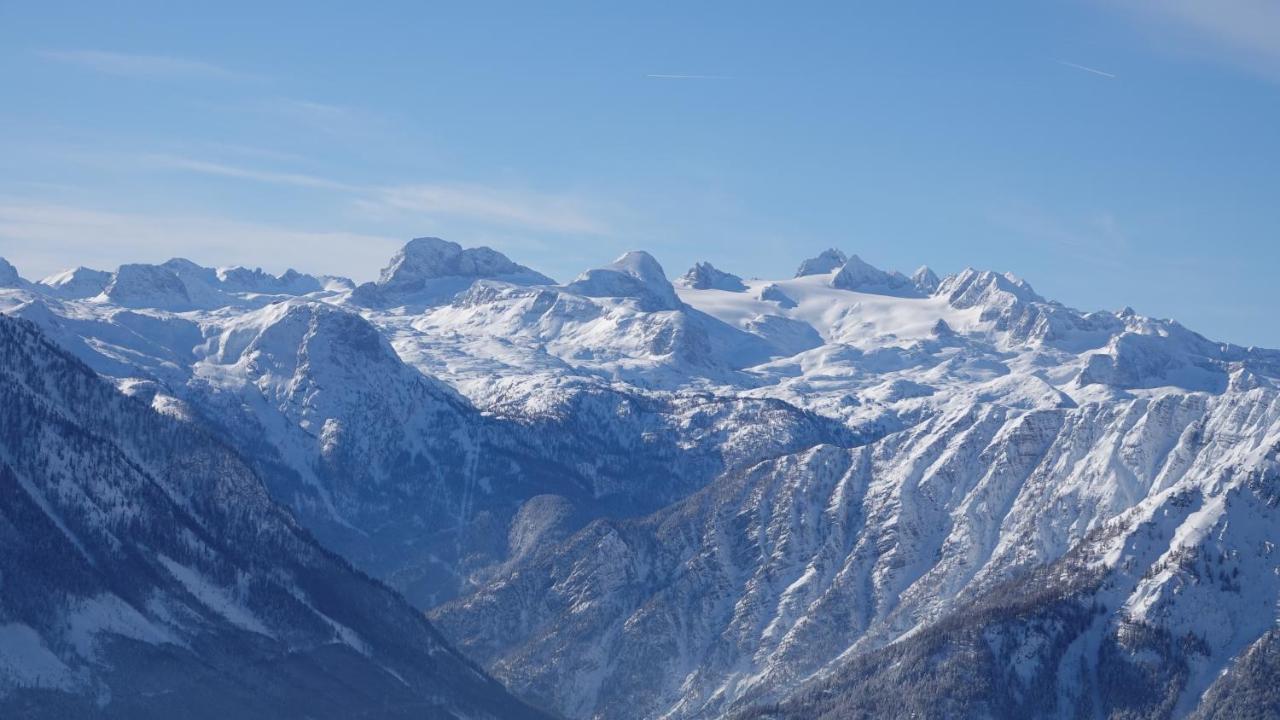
{"x":556,"y":212}
{"x":518,"y":208}
{"x":1097,"y":238}
{"x":203,"y":167}
{"x":1245,"y":33}
{"x":143,"y":66}
{"x":334,"y":119}
{"x":326,"y":117}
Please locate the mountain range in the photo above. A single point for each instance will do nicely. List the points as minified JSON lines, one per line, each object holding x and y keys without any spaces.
{"x":850,"y":492}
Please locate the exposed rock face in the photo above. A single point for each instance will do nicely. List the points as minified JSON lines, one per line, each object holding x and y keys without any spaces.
{"x":825,"y":262}
{"x":848,"y":491}
{"x":705,"y":276}
{"x":819,"y":560}
{"x":858,"y":275}
{"x":9,"y":275}
{"x":925,"y":280}
{"x":291,"y":282}
{"x":147,"y":574}
{"x":773,"y":293}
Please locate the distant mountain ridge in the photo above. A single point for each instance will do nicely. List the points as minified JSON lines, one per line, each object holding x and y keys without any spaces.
{"x":628,"y":497}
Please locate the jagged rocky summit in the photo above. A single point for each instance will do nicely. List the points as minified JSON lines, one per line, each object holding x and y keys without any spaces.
{"x":847,"y":491}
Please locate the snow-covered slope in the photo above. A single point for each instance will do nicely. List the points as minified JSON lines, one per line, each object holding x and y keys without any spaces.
{"x":395,"y":470}
{"x":146,"y":573}
{"x":429,"y":270}
{"x":80,"y":282}
{"x":780,"y":572}
{"x":647,"y":499}
{"x":635,"y":276}
{"x":391,"y":466}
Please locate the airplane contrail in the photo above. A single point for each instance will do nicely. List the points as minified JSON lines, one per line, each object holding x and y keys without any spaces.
{"x":1088,"y":69}
{"x":688,"y":77}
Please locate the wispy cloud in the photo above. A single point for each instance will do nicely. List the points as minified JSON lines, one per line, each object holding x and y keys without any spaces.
{"x":661,"y":76}
{"x":326,"y":117}
{"x":40,"y":237}
{"x":142,"y":66}
{"x":204,"y":167}
{"x":247,"y":151}
{"x":1242,"y":32}
{"x":1087,"y":69}
{"x":1097,"y":239}
{"x":491,"y":205}
{"x":502,"y":206}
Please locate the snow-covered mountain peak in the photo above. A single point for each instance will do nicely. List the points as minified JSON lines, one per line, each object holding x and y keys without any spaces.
{"x":973,"y":288}
{"x":323,"y":335}
{"x":826,"y":261}
{"x":635,"y":275}
{"x":705,"y":276}
{"x":983,"y":430}
{"x":184,"y":266}
{"x":142,"y":285}
{"x":431,"y":271}
{"x":282,"y":333}
{"x":1244,"y":380}
{"x":429,"y":258}
{"x":9,"y":274}
{"x":180,"y":285}
{"x":925,"y":279}
{"x":857,"y":274}
{"x":773,"y":293}
{"x":78,"y":282}
{"x":291,"y":282}
{"x":639,"y":264}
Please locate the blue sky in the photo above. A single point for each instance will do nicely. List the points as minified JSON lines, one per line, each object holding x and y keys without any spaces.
{"x":1112,"y":153}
